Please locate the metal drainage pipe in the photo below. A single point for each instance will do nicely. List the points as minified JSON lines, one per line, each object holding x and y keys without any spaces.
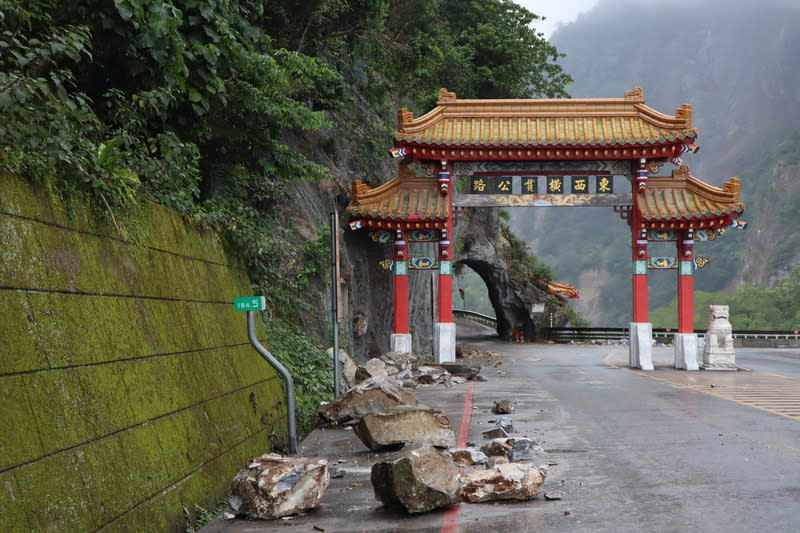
{"x":287,"y":378}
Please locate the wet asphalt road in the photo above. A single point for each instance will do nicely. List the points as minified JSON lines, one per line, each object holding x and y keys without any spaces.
{"x":633,"y":452}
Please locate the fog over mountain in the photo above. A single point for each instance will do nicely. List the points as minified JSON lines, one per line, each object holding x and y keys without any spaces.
{"x":738,"y":65}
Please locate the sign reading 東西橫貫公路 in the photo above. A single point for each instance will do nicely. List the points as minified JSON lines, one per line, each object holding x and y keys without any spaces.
{"x":250,"y":303}
{"x":561,"y":189}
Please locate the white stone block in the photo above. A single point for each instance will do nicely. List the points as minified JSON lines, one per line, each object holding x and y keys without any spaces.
{"x":444,"y":342}
{"x":401,"y":342}
{"x":641,"y":346}
{"x":686,"y":351}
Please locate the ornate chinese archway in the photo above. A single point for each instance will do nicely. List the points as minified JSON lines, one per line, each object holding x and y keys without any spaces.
{"x":565,"y":152}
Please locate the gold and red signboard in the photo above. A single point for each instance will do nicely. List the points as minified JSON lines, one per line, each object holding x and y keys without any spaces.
{"x":542,"y":190}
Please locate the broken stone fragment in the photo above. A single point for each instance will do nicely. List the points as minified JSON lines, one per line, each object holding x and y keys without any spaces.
{"x":374,"y":395}
{"x":503,"y":407}
{"x":462,"y":370}
{"x":348,"y":368}
{"x":374,"y":368}
{"x":272,"y":486}
{"x":495,"y":433}
{"x":511,"y":481}
{"x":427,"y":374}
{"x":499,"y":446}
{"x":521,"y":449}
{"x":401,"y":425}
{"x":468,"y":456}
{"x":495,"y":460}
{"x":505,"y":423}
{"x":418,"y":478}
{"x":553,"y":495}
{"x":399,"y":360}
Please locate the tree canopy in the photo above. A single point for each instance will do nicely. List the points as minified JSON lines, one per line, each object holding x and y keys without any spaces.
{"x":191,"y":103}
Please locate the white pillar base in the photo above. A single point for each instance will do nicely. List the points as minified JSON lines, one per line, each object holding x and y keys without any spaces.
{"x":401,"y":342}
{"x":641,"y":345}
{"x":444,"y":342}
{"x":686,"y":351}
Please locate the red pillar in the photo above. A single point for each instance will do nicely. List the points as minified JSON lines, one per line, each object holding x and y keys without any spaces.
{"x":400,"y":283}
{"x":640,"y":296}
{"x":686,"y":282}
{"x":446,"y":251}
{"x":639,"y":247}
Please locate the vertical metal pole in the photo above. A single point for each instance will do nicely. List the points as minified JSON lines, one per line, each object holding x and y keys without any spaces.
{"x":287,"y":378}
{"x":335,"y":300}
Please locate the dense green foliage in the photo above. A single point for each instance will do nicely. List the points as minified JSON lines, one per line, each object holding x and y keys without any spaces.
{"x":193,"y":104}
{"x":751,"y":308}
{"x":309,"y":366}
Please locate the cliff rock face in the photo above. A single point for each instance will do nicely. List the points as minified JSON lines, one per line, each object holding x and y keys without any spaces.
{"x":479,"y":231}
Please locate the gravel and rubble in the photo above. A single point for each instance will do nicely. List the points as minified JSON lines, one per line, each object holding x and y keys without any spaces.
{"x":428,"y":472}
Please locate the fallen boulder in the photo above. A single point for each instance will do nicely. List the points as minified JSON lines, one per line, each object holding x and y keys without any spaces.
{"x":374,"y":395}
{"x":402,"y":425}
{"x":503,"y":407}
{"x":373,"y":368}
{"x":418,"y":478}
{"x":511,"y":481}
{"x":272,"y":486}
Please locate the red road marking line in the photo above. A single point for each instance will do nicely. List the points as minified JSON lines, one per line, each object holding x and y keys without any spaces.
{"x":450,"y":520}
{"x":466,"y":417}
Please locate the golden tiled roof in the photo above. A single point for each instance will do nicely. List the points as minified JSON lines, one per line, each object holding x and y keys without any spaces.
{"x":684,"y":197}
{"x":404,"y":197}
{"x":594,"y":122}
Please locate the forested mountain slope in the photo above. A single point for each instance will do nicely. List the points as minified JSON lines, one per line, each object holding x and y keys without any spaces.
{"x":737,"y":64}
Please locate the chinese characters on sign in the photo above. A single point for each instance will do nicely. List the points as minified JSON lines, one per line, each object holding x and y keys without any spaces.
{"x":555,"y":185}
{"x":605,"y":184}
{"x":598,"y":184}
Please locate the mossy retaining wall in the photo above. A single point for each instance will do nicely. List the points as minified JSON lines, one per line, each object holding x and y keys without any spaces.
{"x":128,"y":388}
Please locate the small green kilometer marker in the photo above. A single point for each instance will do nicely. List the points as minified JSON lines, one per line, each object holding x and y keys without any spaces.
{"x":250,"y":303}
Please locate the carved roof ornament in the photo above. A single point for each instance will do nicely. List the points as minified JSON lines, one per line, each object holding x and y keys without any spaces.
{"x":637,"y":93}
{"x":685,"y":112}
{"x":446,"y":96}
{"x":404,"y":116}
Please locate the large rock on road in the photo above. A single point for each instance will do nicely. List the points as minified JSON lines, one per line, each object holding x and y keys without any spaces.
{"x":402,"y":425}
{"x":374,"y":395}
{"x":418,"y":478}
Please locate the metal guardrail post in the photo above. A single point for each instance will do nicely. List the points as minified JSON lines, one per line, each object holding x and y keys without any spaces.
{"x":287,"y":378}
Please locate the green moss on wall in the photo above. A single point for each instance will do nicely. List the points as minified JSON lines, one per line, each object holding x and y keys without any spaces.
{"x":130,"y":389}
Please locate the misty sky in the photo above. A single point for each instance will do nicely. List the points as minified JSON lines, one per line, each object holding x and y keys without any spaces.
{"x":556,"y":11}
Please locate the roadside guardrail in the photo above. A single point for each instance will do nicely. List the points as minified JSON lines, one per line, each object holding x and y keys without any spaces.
{"x":774,"y":338}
